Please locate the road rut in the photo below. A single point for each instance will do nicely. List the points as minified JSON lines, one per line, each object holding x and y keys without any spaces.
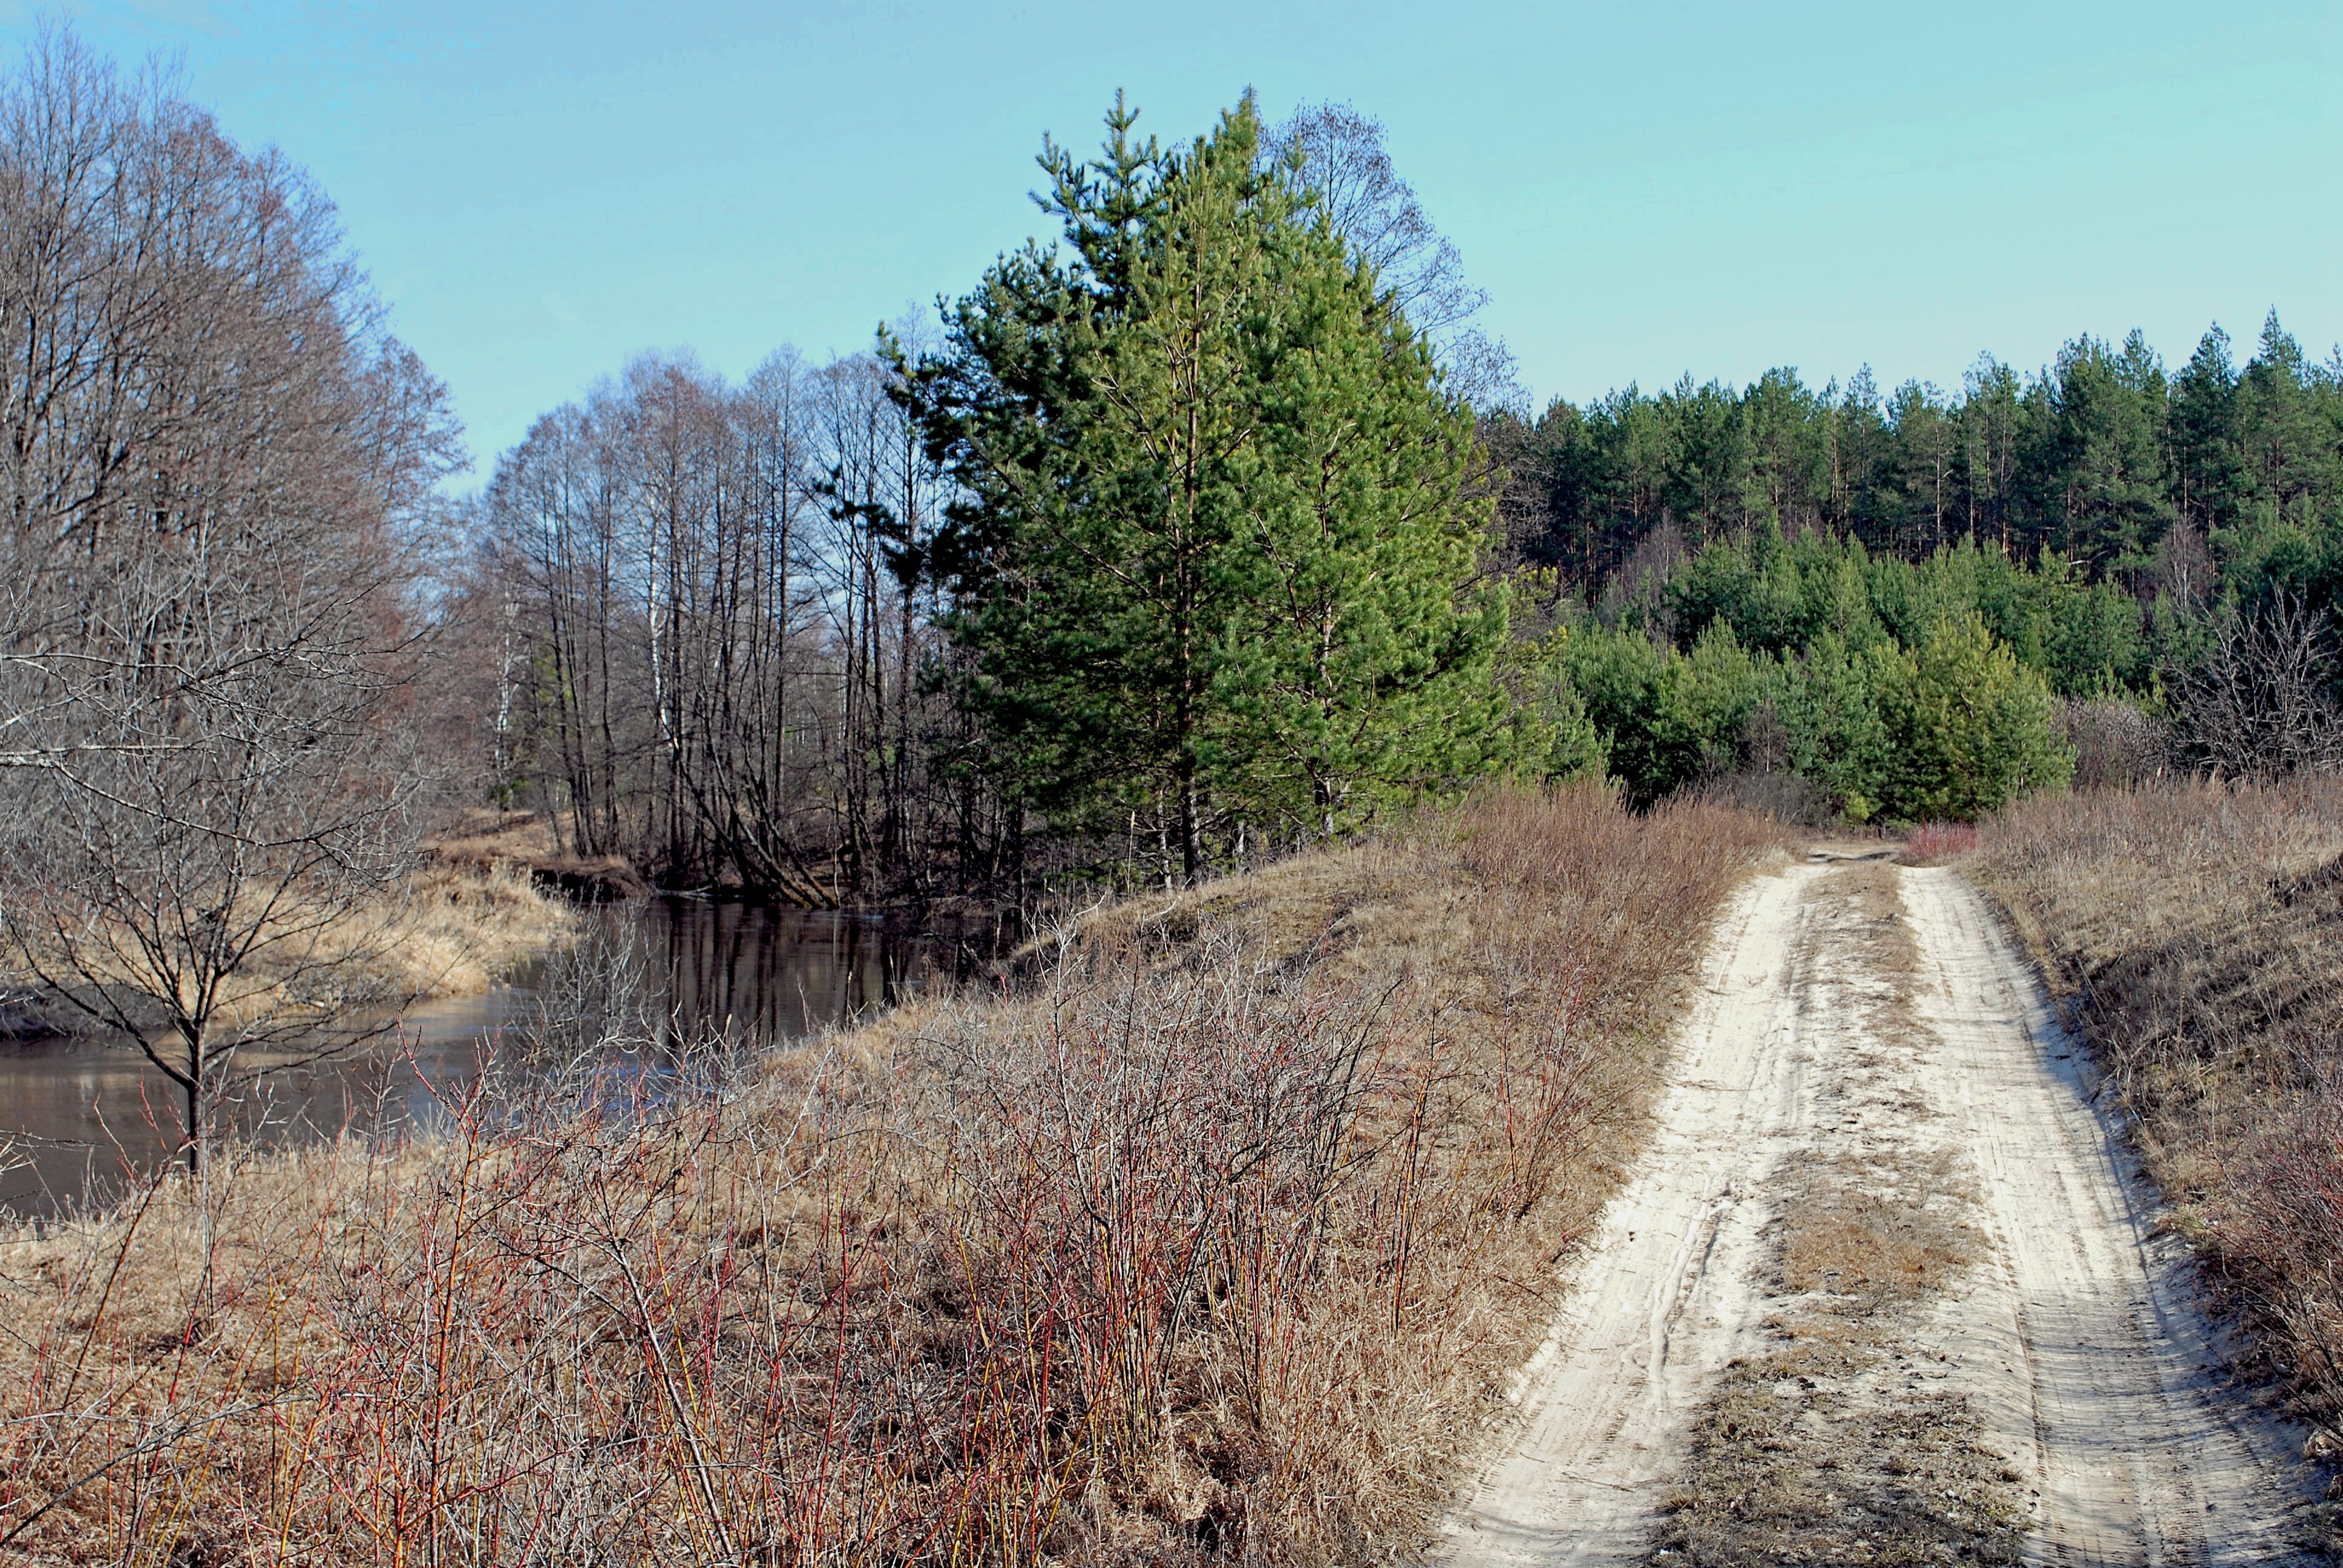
{"x":2075,"y":1338}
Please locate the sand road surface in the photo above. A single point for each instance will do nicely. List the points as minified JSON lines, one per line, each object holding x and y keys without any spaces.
{"x":2072,"y":1342}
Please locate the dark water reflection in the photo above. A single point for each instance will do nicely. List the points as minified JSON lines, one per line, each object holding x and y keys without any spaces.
{"x":81,"y":1117}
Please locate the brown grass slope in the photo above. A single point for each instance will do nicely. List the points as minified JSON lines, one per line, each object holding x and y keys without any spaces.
{"x":1215,"y":1243}
{"x":2196,"y":932}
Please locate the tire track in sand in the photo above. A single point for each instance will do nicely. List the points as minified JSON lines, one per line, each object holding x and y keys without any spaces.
{"x":2076,"y":1338}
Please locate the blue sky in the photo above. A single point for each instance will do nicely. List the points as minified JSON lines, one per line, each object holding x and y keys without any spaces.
{"x":542,"y":192}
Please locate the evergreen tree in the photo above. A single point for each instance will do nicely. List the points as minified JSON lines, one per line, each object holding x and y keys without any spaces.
{"x":1860,"y":442}
{"x":2207,"y":454}
{"x":1968,"y":727}
{"x":2095,"y":458}
{"x":1926,"y":445}
{"x":1829,"y":706}
{"x":2289,"y":450}
{"x":1217,"y":563}
{"x":1786,"y":465}
{"x":2099,"y":462}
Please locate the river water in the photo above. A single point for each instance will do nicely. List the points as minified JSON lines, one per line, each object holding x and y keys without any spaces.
{"x":82,"y":1116}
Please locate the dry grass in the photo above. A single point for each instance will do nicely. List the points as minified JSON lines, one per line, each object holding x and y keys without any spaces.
{"x":461,"y":928}
{"x":474,"y":911}
{"x":2195,"y":931}
{"x":1877,"y":1233}
{"x":530,"y":842}
{"x":1811,"y":1454}
{"x":486,"y":838}
{"x":1214,"y":1244}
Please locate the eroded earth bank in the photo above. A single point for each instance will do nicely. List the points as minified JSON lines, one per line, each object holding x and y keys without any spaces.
{"x":1885,"y":1288}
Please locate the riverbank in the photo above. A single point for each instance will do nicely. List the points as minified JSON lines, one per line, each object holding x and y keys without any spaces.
{"x":530,"y":843}
{"x":462,"y":928}
{"x":1224,"y":1235}
{"x":459,"y":924}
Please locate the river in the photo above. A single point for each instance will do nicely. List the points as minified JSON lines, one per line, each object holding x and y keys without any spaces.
{"x":82,"y":1116}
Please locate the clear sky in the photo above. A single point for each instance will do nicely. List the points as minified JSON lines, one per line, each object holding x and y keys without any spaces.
{"x":542,"y":192}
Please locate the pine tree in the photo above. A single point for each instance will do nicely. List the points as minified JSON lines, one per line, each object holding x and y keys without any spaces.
{"x":2290,"y":451}
{"x":1217,"y":564}
{"x":2098,"y":454}
{"x":2206,"y":450}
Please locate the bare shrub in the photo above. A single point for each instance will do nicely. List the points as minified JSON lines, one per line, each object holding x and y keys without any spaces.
{"x":2196,"y":932}
{"x":2116,"y":744}
{"x":2259,"y":701}
{"x":1216,"y":1244}
{"x":1934,"y":843}
{"x":1790,"y":799}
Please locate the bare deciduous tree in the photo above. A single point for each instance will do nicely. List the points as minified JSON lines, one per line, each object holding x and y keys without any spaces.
{"x":2257,"y":703}
{"x":1344,"y":160}
{"x":724,"y":586}
{"x":211,"y":451}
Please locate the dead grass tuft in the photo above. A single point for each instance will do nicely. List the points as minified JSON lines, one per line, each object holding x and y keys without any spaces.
{"x":462,"y":929}
{"x":1802,"y":1458}
{"x":1880,"y":1232}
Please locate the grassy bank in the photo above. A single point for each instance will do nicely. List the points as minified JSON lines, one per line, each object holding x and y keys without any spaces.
{"x":2196,"y":932}
{"x":454,"y":927}
{"x":461,"y":928}
{"x":1217,"y":1240}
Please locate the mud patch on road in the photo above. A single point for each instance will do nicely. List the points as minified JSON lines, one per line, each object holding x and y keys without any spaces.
{"x":1810,"y":1454}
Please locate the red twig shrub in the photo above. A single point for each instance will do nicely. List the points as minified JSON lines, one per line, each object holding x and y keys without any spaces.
{"x":1933,"y":843}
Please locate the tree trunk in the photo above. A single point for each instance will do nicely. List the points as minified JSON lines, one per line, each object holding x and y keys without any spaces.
{"x":1192,"y":844}
{"x":196,"y":1066}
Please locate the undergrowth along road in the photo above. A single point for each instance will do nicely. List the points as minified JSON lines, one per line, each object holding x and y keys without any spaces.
{"x":1213,"y":1238}
{"x":1884,"y":1287}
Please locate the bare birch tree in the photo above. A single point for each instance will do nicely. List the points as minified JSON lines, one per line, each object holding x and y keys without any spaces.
{"x":1344,"y":160}
{"x":722,"y":588}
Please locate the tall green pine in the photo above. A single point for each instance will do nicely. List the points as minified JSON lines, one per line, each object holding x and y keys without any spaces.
{"x":1218,"y":562}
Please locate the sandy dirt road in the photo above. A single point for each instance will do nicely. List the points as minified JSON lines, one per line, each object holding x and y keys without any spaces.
{"x":2071,"y":1343}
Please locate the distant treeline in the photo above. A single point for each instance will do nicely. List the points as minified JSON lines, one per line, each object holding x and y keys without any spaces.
{"x":2098,"y":458}
{"x":1886,"y":601}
